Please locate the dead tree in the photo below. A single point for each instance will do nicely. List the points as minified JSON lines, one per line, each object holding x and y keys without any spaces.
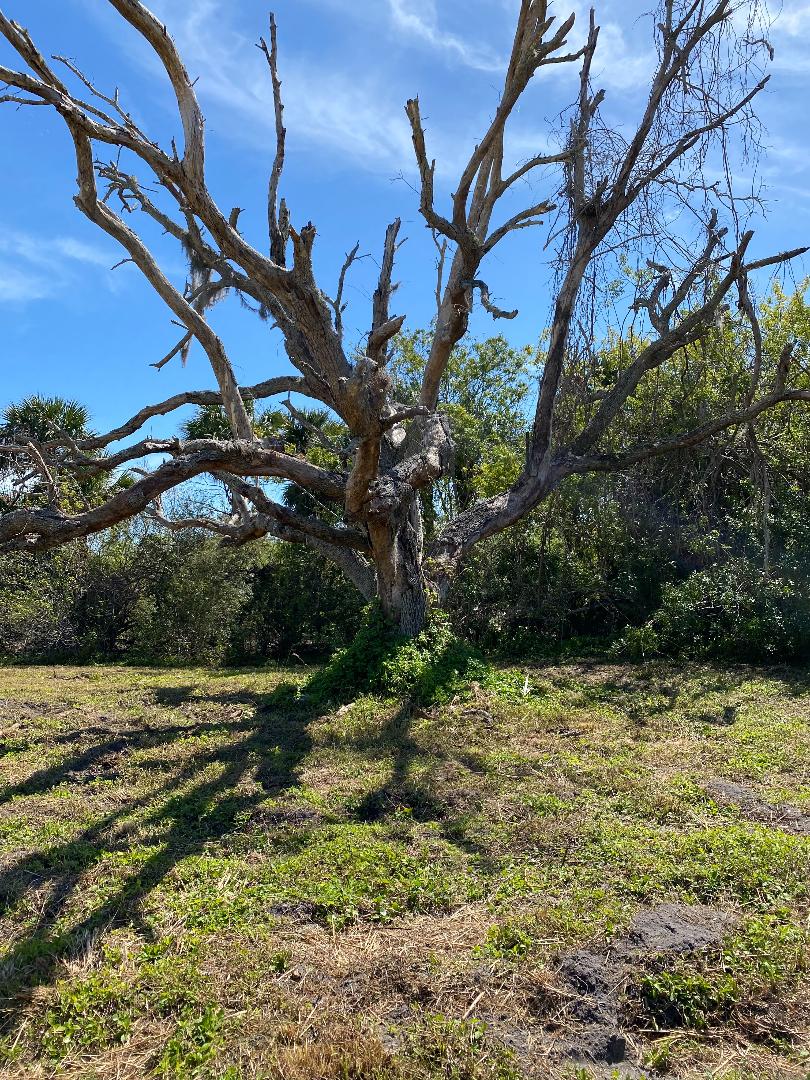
{"x":606,"y":192}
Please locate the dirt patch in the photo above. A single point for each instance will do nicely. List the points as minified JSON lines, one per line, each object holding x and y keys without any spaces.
{"x":789,"y":818}
{"x":104,"y":766}
{"x":672,"y":928}
{"x":593,"y":982}
{"x":20,"y":709}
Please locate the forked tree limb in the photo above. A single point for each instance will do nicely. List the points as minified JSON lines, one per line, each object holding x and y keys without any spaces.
{"x":604,"y":189}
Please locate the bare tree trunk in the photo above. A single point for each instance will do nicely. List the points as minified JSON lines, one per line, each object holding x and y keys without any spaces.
{"x":389,"y":453}
{"x":397,"y":550}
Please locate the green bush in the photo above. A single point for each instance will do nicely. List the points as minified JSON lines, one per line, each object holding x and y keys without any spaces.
{"x":37,"y":598}
{"x":732,"y":610}
{"x":568,"y":579}
{"x":301,"y":607}
{"x":426,"y":669}
{"x":155,"y":597}
{"x":197,"y":590}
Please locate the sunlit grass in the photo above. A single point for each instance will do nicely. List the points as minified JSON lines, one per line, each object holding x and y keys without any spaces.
{"x":206,"y":876}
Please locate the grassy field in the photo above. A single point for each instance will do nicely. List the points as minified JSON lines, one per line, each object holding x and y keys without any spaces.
{"x":573,"y":871}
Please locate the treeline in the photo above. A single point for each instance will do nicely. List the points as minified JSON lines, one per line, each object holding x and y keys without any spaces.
{"x":153,"y":597}
{"x":701,"y":552}
{"x":622,"y":565}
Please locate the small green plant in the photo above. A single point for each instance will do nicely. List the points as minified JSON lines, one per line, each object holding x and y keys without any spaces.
{"x":751,"y":863}
{"x":767,"y":949}
{"x":762,"y":958}
{"x":685,"y":999}
{"x":97,"y":1010}
{"x":194,"y":1045}
{"x":280,"y":961}
{"x":439,"y":1047}
{"x":351,"y":872}
{"x":90,"y":1013}
{"x":659,"y":1056}
{"x":507,"y":940}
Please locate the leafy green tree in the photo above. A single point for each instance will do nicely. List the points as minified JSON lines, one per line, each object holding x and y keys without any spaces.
{"x":301,"y":608}
{"x":605,"y":551}
{"x":194,"y":594}
{"x":485,"y":393}
{"x":44,"y":418}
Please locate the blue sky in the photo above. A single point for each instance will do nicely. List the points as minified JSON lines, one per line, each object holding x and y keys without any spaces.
{"x":70,"y":325}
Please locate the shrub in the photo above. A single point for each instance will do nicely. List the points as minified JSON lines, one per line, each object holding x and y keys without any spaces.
{"x":195,"y":593}
{"x":732,"y":610}
{"x":37,"y":594}
{"x":426,"y":669}
{"x":763,"y":960}
{"x":301,"y":607}
{"x":166,"y":598}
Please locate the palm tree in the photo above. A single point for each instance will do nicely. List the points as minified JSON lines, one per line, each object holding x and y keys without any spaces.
{"x":39,"y":419}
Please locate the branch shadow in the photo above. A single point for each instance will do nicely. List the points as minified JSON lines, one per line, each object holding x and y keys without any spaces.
{"x":204,"y":797}
{"x":422,"y":799}
{"x":660,"y":684}
{"x":190,"y":810}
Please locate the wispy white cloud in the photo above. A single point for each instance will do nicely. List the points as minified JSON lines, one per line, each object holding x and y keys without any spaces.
{"x":791,"y":156}
{"x":353,"y":116}
{"x":79,"y":251}
{"x":793,"y":19}
{"x":46,"y":250}
{"x":620,"y":63}
{"x":789,"y":32}
{"x":419,"y":19}
{"x":18,"y":286}
{"x":786,"y":171}
{"x":35,"y":267}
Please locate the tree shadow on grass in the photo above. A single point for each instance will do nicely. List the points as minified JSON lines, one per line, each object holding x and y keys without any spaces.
{"x":662,"y":681}
{"x":203,"y":795}
{"x":425,"y":798}
{"x":203,"y":799}
{"x":657,"y":685}
{"x":429,"y":799}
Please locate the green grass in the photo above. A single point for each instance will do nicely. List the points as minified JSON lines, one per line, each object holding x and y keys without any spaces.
{"x":229,"y":874}
{"x":763,"y":961}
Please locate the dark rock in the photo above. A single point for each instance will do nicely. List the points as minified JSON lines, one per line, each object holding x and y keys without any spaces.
{"x":284,"y":816}
{"x":300,"y":910}
{"x":586,"y":972}
{"x":599,"y":1043}
{"x":593,"y":980}
{"x":678,"y":928}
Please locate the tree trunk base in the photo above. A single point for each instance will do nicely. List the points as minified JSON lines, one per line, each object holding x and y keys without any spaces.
{"x":401,"y":583}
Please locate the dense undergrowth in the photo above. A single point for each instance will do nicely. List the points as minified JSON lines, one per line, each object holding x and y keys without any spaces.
{"x":428,"y":669}
{"x":186,"y":599}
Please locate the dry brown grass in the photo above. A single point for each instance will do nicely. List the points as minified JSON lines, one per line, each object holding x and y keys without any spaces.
{"x":376,"y":895}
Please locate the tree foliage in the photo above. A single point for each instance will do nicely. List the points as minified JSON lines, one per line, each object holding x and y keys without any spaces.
{"x":703,"y":552}
{"x":370,"y":482}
